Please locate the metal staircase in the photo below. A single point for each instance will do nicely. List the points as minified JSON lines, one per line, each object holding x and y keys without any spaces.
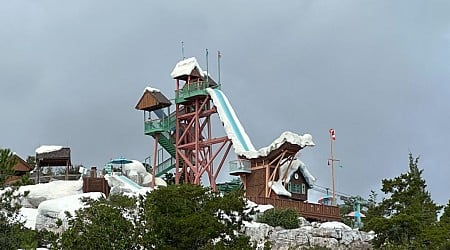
{"x":161,"y":129}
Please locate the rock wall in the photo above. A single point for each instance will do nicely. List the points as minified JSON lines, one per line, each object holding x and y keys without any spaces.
{"x":309,"y":235}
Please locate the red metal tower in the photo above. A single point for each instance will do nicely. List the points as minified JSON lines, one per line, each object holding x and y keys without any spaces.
{"x":197,"y":151}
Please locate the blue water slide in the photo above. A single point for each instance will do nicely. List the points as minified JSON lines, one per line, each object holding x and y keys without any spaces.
{"x":128,"y":181}
{"x":230,"y":118}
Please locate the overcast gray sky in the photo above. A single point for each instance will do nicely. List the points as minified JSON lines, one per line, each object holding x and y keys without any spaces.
{"x":376,"y":71}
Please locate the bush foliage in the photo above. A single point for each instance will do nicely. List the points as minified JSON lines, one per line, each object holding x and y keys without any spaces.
{"x":285,"y":218}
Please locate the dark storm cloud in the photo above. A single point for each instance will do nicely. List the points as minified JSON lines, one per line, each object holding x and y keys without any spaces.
{"x":377,"y":72}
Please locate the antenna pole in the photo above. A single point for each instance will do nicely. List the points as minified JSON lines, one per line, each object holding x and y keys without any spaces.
{"x":182,"y":49}
{"x":207,"y":67}
{"x":218,"y":62}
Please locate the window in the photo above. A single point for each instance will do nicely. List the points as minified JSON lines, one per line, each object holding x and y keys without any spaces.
{"x":296,"y":188}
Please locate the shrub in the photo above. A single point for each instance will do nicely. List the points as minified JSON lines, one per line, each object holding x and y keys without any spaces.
{"x":285,"y":218}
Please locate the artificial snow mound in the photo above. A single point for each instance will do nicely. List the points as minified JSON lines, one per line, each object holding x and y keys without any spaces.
{"x":137,"y":173}
{"x":47,"y":191}
{"x":51,"y":210}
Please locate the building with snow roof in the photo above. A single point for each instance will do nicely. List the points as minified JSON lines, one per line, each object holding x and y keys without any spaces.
{"x":52,"y":156}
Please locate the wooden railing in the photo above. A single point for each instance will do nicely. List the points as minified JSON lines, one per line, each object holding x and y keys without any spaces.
{"x":308,"y":210}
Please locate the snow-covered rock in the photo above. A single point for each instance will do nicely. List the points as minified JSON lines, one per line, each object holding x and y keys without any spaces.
{"x":334,"y":225}
{"x":50,"y":211}
{"x":137,"y":172}
{"x":47,"y":191}
{"x":29,"y":216}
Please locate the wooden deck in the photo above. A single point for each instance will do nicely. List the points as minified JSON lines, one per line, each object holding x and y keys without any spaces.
{"x":311,"y":211}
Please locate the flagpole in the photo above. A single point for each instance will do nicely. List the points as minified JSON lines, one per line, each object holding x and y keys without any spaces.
{"x":332,"y":173}
{"x":332,"y":138}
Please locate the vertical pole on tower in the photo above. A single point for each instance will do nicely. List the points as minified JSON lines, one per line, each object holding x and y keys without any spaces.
{"x":182,"y":49}
{"x":207,"y":66}
{"x":219,"y":55}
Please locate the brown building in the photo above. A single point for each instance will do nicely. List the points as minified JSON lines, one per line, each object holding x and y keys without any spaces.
{"x":266,"y":181}
{"x":20,"y":169}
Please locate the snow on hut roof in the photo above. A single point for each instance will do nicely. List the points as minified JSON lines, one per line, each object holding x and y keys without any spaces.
{"x":185,"y":67}
{"x":47,"y":149}
{"x":150,"y":89}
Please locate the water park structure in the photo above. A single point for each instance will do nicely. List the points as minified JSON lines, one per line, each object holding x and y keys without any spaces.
{"x":184,"y":143}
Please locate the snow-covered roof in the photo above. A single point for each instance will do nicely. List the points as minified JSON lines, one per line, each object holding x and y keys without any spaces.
{"x":278,"y":188}
{"x":150,"y":89}
{"x":185,"y":67}
{"x":47,"y":149}
{"x":296,"y":165}
{"x":287,"y":136}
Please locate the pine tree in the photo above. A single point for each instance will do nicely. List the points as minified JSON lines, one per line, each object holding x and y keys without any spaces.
{"x":102,"y":224}
{"x":444,"y":227}
{"x":7,"y":163}
{"x":192,"y":217}
{"x":406,"y":215}
{"x":13,"y":233}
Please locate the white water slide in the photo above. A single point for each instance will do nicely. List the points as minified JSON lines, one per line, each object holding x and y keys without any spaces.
{"x":241,"y":142}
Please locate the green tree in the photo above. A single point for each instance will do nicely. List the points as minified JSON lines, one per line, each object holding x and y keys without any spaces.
{"x":285,"y":218}
{"x":176,"y":217}
{"x":444,"y":228}
{"x":102,"y":224}
{"x":406,"y":215}
{"x":7,"y":163}
{"x":192,"y":217}
{"x":31,"y":160}
{"x":14,"y":235}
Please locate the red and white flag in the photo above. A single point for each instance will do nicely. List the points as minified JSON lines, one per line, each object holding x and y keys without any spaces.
{"x":332,"y":134}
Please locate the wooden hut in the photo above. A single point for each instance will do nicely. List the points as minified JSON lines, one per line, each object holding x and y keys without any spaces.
{"x":152,"y":99}
{"x":53,"y":156}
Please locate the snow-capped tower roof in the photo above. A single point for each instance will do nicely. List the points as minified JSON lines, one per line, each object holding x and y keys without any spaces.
{"x":152,"y":99}
{"x":187,"y":67}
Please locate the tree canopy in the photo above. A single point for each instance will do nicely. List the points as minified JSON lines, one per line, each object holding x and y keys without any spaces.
{"x":407,"y":215}
{"x":14,"y":235}
{"x":174,"y":217}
